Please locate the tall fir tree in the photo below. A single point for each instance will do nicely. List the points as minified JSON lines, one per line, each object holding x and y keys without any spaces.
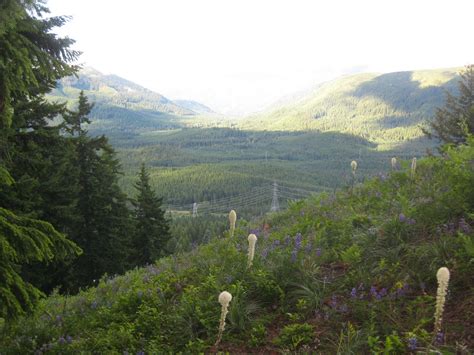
{"x":103,"y":225}
{"x":455,"y":120}
{"x":151,"y":226}
{"x":32,"y":59}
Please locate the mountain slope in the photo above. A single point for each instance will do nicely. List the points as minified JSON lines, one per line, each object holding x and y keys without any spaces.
{"x":121,"y":105}
{"x":381,"y":108}
{"x":194,"y":106}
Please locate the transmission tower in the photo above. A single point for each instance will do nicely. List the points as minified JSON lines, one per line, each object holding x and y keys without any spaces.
{"x":275,"y":205}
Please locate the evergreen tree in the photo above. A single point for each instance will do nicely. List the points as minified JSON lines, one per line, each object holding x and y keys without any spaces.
{"x":74,"y":120}
{"x":25,"y":241}
{"x":453,"y":122}
{"x":151,"y":226}
{"x":103,"y":225}
{"x":32,"y":59}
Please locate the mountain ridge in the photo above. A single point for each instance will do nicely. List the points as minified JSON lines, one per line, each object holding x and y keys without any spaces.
{"x":111,"y":87}
{"x":362,"y":103}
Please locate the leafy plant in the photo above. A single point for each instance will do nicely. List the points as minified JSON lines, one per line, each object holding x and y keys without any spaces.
{"x":293,"y":336}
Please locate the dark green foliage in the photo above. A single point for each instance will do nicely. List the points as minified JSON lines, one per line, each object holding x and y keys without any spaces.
{"x":151,"y":233}
{"x":294,"y":336}
{"x":32,"y":58}
{"x":74,"y":120}
{"x":188,"y":232}
{"x":103,"y":219}
{"x":24,"y":241}
{"x":455,"y":120}
{"x":103,"y":228}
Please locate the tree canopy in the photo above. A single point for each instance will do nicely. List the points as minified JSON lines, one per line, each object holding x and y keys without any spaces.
{"x":455,"y":120}
{"x":32,"y":59}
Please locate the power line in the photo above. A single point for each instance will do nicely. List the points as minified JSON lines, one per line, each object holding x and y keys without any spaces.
{"x":257,"y":196}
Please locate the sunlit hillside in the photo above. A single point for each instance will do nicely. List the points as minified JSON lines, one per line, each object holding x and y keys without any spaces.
{"x":382,"y":108}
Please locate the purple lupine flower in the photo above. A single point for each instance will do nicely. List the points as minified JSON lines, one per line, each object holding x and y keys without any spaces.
{"x":294,"y":255}
{"x":141,"y":352}
{"x":401,"y":217}
{"x":318,"y":251}
{"x":287,"y":240}
{"x":298,"y":240}
{"x":257,"y":232}
{"x":61,"y":341}
{"x":464,"y":226}
{"x":439,"y":339}
{"x":400,"y":292}
{"x":411,"y":221}
{"x":353,"y":292}
{"x":264,"y":253}
{"x":94,"y":304}
{"x":68,"y":339}
{"x":383,"y":292}
{"x":373,"y":291}
{"x":333,"y":301}
{"x":412,"y":343}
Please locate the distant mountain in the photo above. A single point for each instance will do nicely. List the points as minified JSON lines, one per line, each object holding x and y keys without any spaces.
{"x":121,"y":105}
{"x":379,"y":107}
{"x":194,"y":106}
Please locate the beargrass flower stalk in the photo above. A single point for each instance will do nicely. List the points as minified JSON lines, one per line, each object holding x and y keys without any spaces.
{"x":353,"y":167}
{"x":224,"y":299}
{"x":443,"y":279}
{"x":413,"y":167}
{"x":232,"y":220}
{"x":252,"y":238}
{"x":394,"y":163}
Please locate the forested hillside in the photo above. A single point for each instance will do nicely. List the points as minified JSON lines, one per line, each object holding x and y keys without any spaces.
{"x":121,"y":106}
{"x":382,"y":108}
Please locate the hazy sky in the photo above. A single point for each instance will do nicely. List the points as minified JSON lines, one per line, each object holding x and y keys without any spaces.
{"x":241,"y":55}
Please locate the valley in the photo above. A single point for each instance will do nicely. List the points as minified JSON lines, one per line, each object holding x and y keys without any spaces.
{"x":305,"y":142}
